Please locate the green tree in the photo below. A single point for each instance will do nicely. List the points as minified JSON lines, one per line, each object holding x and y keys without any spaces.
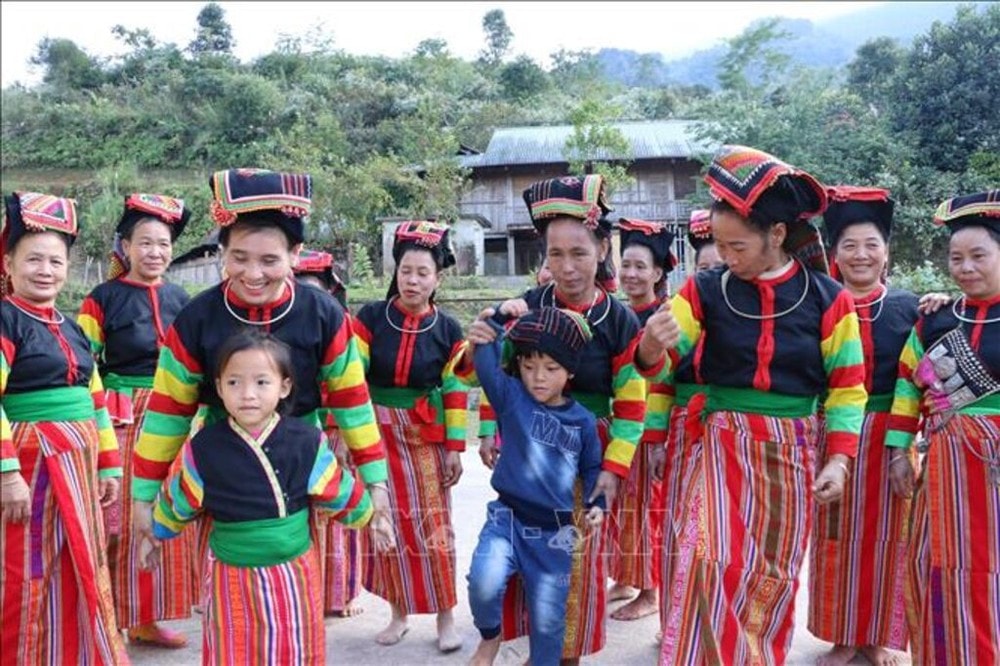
{"x":214,"y":36}
{"x":597,"y":146}
{"x":752,"y":64}
{"x":945,"y":96}
{"x":67,"y":66}
{"x":498,"y":38}
{"x":870,"y":74}
{"x":523,"y":79}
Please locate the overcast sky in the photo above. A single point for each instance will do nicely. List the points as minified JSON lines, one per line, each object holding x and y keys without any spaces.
{"x":395,"y":28}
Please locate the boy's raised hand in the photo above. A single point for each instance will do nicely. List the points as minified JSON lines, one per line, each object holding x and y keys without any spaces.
{"x":480,"y":332}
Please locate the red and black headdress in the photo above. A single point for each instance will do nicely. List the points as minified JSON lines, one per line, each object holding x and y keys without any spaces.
{"x":434,"y":237}
{"x":33,"y":212}
{"x":970,"y":210}
{"x":140,"y":206}
{"x":856,"y":205}
{"x":653,"y":235}
{"x":761,"y":187}
{"x":320,"y":265}
{"x":282,"y":199}
{"x":700,"y":228}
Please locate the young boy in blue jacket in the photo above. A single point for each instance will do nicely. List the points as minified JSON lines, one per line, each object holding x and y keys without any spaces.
{"x":549,"y":440}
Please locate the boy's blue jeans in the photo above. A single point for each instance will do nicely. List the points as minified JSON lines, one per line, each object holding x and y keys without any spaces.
{"x":543,"y":558}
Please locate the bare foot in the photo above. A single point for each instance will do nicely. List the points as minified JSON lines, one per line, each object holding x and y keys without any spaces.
{"x":448,"y":638}
{"x":618,"y":592}
{"x":839,"y":655}
{"x":350,"y":610}
{"x":486,"y":652}
{"x":395,"y":630}
{"x":154,"y":634}
{"x":881,"y":656}
{"x":643,"y":605}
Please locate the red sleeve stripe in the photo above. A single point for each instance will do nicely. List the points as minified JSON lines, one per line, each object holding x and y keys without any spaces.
{"x":108,"y":459}
{"x":149,"y":469}
{"x":619,"y":470}
{"x":361,"y":330}
{"x":368,"y":454}
{"x":840,"y":308}
{"x":8,"y":348}
{"x":455,"y":400}
{"x":162,"y":403}
{"x":337,"y":345}
{"x":355,"y":396}
{"x":627,"y":355}
{"x":842,"y":442}
{"x":852,"y":375}
{"x":93,"y":309}
{"x":629,"y":410}
{"x":689,"y":291}
{"x":903,"y":423}
{"x":180,"y":352}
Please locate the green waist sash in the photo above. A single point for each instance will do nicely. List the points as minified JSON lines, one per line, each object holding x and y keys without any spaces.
{"x":988,"y":406}
{"x":684,"y":392}
{"x":403,"y":398}
{"x":261,"y":543}
{"x":752,"y":401}
{"x":598,"y":404}
{"x":879,"y":402}
{"x":66,"y":403}
{"x":114,"y":382}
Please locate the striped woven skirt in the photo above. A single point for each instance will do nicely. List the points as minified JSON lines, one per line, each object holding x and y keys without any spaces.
{"x":166,"y":592}
{"x":587,"y":600}
{"x":265,"y":615}
{"x":857,"y":561}
{"x":418,"y":576}
{"x":54,"y":586}
{"x":339,"y":551}
{"x":635,"y":560}
{"x":756,"y":474}
{"x":953,"y":583}
{"x":681,"y":515}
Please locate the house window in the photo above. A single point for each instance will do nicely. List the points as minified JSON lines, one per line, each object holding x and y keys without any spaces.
{"x":527,"y":253}
{"x":496,"y":256}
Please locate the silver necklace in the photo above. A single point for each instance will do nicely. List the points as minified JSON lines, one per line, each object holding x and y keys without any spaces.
{"x":225,"y":301}
{"x":48,"y":322}
{"x":414,"y":331}
{"x":962,"y":317}
{"x":745,"y":315}
{"x":550,"y":290}
{"x":880,"y":302}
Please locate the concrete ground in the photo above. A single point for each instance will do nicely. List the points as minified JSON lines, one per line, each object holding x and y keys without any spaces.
{"x":350,"y":640}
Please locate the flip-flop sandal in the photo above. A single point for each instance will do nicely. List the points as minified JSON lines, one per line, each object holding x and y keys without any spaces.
{"x":158,"y":636}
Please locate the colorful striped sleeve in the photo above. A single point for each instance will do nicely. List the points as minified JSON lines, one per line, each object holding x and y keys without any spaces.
{"x":659,"y":400}
{"x":904,"y":417}
{"x":109,"y":462}
{"x":844,"y":364}
{"x":180,"y":498}
{"x":456,"y":402}
{"x":91,"y":320}
{"x":335,"y":490}
{"x":8,"y":456}
{"x":167,"y":422}
{"x":348,"y":399}
{"x":364,"y":340}
{"x":628,"y":411}
{"x":487,"y":417}
{"x":686,"y":307}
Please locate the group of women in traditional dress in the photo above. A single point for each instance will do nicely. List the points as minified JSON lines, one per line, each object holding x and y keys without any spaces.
{"x":768,"y":407}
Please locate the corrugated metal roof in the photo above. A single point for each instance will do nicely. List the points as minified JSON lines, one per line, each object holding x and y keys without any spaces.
{"x":650,"y":139}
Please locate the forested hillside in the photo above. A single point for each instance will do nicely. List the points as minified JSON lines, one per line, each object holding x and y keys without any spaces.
{"x":380,"y":134}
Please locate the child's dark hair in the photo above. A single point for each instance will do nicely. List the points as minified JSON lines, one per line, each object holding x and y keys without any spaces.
{"x":249,"y":339}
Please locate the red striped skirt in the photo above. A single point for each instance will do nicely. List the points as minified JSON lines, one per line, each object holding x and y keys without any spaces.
{"x":166,"y":592}
{"x":339,"y":551}
{"x":418,"y":576}
{"x":681,"y":516}
{"x":756,"y":473}
{"x":54,"y":586}
{"x":635,"y":560}
{"x":858,"y":556}
{"x":953,"y":583}
{"x":587,"y":600}
{"x":265,"y":615}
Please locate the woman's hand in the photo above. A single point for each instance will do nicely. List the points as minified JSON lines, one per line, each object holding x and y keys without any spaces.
{"x":902,"y":476}
{"x":594,"y":517}
{"x":16,"y":496}
{"x":142,"y":519}
{"x":149,"y":554}
{"x":607,"y":485}
{"x":658,"y":461}
{"x":662,"y":332}
{"x":488,"y":451}
{"x":108,"y":491}
{"x":832,"y":479}
{"x":515,"y":307}
{"x":931,"y":303}
{"x":452,"y":468}
{"x":383,"y":530}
